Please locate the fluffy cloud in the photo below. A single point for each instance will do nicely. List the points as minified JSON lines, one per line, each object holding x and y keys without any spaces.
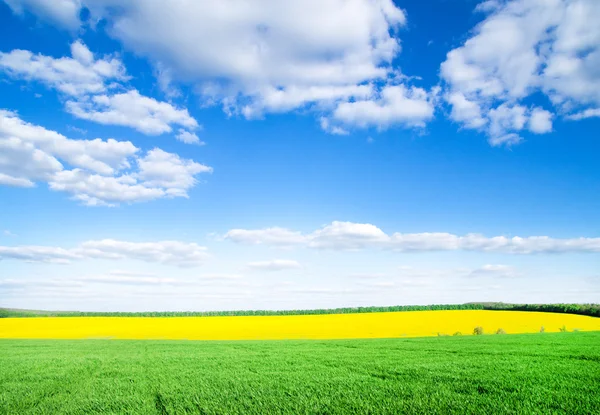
{"x":188,"y":138}
{"x":90,"y":83}
{"x":521,"y":48}
{"x":540,"y":121}
{"x":352,"y":236}
{"x":165,"y":252}
{"x":273,"y":57}
{"x":100,"y":156}
{"x":63,"y":12}
{"x":94,"y":172}
{"x":395,"y":105}
{"x":76,"y":76}
{"x":167,"y":170}
{"x":274,"y":265}
{"x":130,"y":109}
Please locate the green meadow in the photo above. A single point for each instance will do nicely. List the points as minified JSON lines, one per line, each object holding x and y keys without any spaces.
{"x":492,"y":374}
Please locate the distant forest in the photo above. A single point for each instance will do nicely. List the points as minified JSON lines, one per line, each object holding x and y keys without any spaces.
{"x":583,"y":309}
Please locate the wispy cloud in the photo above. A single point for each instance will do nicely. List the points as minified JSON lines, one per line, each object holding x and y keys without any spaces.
{"x":274,"y":265}
{"x":354,"y":236}
{"x":167,"y":252}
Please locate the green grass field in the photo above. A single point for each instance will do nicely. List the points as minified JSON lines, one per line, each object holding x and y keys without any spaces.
{"x":520,"y":374}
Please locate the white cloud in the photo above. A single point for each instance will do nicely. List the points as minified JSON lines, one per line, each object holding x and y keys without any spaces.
{"x":269,"y":236}
{"x":395,"y":105}
{"x":465,"y":112}
{"x":89,"y":82}
{"x":506,"y":118}
{"x":165,"y":252}
{"x":494,"y":271}
{"x":353,"y":236}
{"x":540,"y":121}
{"x":25,"y":163}
{"x":521,"y":48}
{"x":7,"y":180}
{"x":272,"y":57}
{"x":76,"y":76}
{"x":588,"y":113}
{"x":274,"y":265}
{"x":331,"y":129}
{"x":188,"y":138}
{"x":167,"y":170}
{"x":507,"y":140}
{"x":347,"y":235}
{"x":130,"y":109}
{"x":95,"y":172}
{"x":101,"y":156}
{"x":63,"y":12}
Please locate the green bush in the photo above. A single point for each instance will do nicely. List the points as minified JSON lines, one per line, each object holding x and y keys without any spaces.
{"x":500,"y":331}
{"x":478,"y":331}
{"x":458,"y":333}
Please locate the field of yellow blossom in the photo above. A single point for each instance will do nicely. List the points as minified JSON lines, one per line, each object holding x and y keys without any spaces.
{"x":326,"y":326}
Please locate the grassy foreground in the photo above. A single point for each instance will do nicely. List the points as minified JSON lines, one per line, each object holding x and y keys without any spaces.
{"x":520,"y":374}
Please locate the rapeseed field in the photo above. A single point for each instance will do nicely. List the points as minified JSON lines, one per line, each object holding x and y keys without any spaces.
{"x":332,"y":326}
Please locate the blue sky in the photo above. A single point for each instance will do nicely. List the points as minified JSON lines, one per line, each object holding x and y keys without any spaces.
{"x":192,"y":156}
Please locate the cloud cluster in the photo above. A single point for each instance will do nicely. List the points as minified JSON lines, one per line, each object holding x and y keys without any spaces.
{"x":333,"y":55}
{"x":338,"y":58}
{"x":165,"y":252}
{"x":521,"y":48}
{"x":93,"y":85}
{"x":95,"y":172}
{"x":354,"y":236}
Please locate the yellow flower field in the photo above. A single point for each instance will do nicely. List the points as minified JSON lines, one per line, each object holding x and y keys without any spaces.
{"x":324,"y":326}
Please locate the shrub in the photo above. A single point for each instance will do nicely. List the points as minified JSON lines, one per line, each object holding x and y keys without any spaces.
{"x":542,"y":329}
{"x":478,"y":331}
{"x":563,"y":329}
{"x":500,"y":331}
{"x":458,"y":333}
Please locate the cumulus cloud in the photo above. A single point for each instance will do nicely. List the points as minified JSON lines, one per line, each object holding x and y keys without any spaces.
{"x":188,"y":138}
{"x":521,"y":48}
{"x":130,"y":109}
{"x":167,"y":170}
{"x":395,"y":105}
{"x":100,"y":156}
{"x":353,"y":236}
{"x":75,"y":76}
{"x":90,"y":84}
{"x":274,"y":265}
{"x":95,"y":172}
{"x":165,"y":252}
{"x":62,"y":12}
{"x":275,"y":57}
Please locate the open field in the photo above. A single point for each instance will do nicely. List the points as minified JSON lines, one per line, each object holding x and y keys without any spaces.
{"x":519,"y":374}
{"x":332,"y":326}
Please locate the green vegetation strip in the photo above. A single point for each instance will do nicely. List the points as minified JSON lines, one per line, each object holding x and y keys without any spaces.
{"x":518,"y":374}
{"x":583,"y":309}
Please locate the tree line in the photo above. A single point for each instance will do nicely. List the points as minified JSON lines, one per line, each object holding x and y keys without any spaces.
{"x":583,"y":309}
